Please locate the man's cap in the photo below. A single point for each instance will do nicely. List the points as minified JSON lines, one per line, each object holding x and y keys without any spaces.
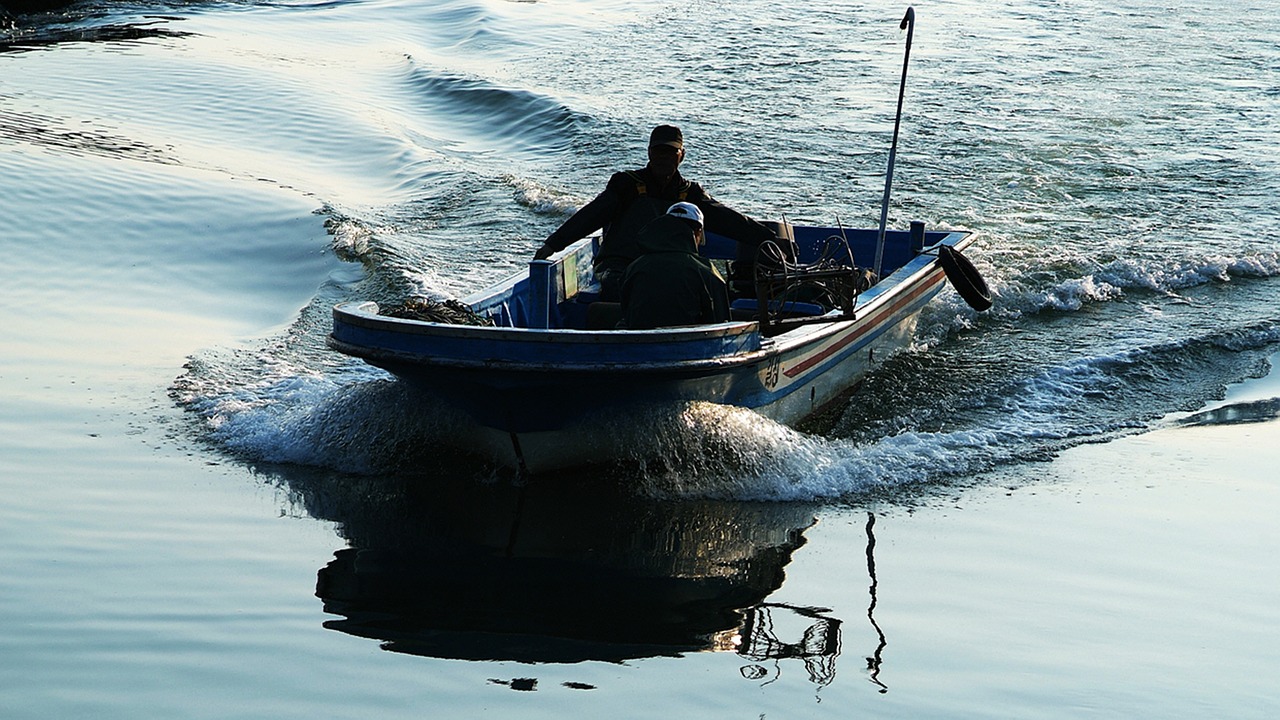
{"x":667,"y":135}
{"x":686,"y":211}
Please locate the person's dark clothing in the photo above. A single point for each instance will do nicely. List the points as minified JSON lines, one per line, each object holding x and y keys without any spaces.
{"x":669,"y":284}
{"x":632,"y":199}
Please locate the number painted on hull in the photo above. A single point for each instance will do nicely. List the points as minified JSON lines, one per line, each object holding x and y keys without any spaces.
{"x":771,"y":372}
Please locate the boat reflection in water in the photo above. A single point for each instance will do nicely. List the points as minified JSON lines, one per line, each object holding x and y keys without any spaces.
{"x":555,"y":574}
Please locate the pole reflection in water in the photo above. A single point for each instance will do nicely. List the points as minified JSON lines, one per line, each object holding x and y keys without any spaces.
{"x":559,"y":573}
{"x":873,"y":662}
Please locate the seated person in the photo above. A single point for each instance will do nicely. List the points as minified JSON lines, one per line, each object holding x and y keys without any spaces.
{"x":669,"y":284}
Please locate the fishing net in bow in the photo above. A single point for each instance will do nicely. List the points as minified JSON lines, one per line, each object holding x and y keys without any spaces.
{"x":448,"y":312}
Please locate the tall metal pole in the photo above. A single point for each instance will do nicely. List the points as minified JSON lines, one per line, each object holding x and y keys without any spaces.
{"x":909,"y":24}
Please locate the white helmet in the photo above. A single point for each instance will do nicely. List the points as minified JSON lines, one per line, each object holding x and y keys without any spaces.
{"x":687,"y":211}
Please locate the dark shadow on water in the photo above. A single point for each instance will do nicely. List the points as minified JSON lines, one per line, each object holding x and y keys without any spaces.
{"x":560,"y":571}
{"x":35,"y":25}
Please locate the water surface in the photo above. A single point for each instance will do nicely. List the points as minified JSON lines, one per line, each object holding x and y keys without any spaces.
{"x":1059,"y":508}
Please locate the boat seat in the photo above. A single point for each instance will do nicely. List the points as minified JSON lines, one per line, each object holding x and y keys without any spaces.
{"x":749,"y":309}
{"x":603,"y":315}
{"x":587,"y":296}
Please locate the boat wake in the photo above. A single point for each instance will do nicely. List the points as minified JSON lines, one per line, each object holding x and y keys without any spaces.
{"x":719,"y":452}
{"x":476,"y":116}
{"x":1072,"y":284}
{"x":357,"y":421}
{"x":923,"y":421}
{"x":926,"y":419}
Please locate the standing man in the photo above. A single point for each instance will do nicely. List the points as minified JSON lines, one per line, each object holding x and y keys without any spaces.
{"x":634,"y":197}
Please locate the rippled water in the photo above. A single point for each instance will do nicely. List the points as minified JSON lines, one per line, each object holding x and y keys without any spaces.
{"x":1124,"y":232}
{"x":186,"y":188}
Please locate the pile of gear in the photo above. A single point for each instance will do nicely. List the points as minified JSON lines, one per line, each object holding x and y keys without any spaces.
{"x":448,"y":312}
{"x":833,"y":281}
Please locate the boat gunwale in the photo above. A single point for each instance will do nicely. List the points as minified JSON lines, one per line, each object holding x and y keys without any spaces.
{"x":357,"y":313}
{"x":700,"y":366}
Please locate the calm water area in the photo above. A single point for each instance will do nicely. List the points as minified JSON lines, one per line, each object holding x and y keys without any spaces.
{"x":1061,"y":508}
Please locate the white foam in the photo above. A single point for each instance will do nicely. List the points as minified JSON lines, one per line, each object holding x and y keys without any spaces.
{"x":350,"y":238}
{"x":1112,"y":281}
{"x":725,"y":452}
{"x":541,"y":199}
{"x":354,"y":419}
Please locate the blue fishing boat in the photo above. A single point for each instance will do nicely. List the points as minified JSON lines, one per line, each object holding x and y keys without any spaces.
{"x":538,"y":361}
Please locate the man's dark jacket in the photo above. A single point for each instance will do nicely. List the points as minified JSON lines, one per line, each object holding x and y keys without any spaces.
{"x":632,"y":199}
{"x":669,"y":284}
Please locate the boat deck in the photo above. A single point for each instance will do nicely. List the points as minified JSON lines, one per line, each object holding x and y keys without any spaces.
{"x":559,"y":293}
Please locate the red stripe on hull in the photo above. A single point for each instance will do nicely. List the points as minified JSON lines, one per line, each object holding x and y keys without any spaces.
{"x":874,"y":322}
